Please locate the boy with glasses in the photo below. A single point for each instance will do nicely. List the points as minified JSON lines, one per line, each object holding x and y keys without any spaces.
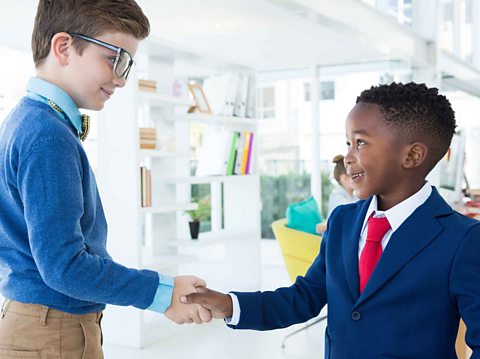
{"x":55,"y":270}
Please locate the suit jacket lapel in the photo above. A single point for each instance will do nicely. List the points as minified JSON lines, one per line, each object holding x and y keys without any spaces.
{"x":411,"y":237}
{"x":351,"y":227}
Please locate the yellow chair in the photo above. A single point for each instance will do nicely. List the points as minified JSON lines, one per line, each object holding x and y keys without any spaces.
{"x":299,"y":250}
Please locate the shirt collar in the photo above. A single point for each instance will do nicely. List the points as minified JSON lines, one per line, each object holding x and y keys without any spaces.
{"x":54,"y":93}
{"x":399,"y":213}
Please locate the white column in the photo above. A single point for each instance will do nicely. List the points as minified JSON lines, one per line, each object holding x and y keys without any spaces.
{"x":216,"y":205}
{"x":476,"y":33}
{"x":457,"y":27}
{"x":426,"y":20}
{"x":316,"y":179}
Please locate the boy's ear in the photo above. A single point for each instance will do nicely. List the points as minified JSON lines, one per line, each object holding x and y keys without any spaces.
{"x":61,"y":45}
{"x":416,"y":155}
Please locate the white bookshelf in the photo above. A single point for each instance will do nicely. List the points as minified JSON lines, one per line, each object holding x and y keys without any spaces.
{"x":157,"y":237}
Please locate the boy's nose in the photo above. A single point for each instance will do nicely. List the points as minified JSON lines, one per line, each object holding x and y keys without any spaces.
{"x":348,"y":159}
{"x":119,"y":81}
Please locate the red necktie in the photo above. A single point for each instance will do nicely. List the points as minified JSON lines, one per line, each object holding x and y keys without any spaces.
{"x":371,"y":253}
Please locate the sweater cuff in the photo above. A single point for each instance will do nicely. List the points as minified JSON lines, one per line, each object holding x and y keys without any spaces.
{"x":163,"y":296}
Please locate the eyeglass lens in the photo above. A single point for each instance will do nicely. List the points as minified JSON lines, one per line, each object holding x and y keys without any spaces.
{"x":123,"y":64}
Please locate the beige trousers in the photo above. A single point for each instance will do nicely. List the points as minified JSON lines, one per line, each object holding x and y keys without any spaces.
{"x":36,"y":331}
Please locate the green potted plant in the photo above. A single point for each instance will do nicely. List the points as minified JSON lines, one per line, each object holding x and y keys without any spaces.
{"x":197,"y":215}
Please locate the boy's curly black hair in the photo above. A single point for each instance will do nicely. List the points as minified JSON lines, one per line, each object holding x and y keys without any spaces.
{"x":415,"y":112}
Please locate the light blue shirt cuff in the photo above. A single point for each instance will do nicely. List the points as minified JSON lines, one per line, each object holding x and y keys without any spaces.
{"x":163,"y":296}
{"x":235,"y":319}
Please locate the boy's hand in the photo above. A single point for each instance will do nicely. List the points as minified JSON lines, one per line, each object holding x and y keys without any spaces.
{"x":187,"y":313}
{"x":220,"y":305}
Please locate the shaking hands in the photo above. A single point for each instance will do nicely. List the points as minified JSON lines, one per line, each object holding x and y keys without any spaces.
{"x":220,"y":305}
{"x":192,"y":302}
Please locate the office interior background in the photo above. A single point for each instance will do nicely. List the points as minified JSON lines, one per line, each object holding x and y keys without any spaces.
{"x":307,"y":61}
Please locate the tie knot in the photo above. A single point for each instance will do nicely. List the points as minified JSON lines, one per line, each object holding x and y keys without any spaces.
{"x":377,"y":227}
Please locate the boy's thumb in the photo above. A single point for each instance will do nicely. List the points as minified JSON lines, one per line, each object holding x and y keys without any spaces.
{"x":184,"y":299}
{"x":193,"y":297}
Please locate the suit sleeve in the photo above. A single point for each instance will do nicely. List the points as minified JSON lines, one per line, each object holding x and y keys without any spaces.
{"x":286,"y":306}
{"x":465,"y":286}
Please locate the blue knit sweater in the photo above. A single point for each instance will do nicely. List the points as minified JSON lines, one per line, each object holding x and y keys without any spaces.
{"x":52,"y":226}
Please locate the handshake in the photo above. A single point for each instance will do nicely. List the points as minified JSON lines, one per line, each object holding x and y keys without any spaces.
{"x":193,"y":302}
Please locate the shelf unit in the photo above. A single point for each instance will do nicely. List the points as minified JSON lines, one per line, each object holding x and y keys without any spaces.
{"x":156,"y":237}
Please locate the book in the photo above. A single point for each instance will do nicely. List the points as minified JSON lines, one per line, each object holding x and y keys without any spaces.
{"x":147,"y":85}
{"x":246,"y":148}
{"x":231,"y":95}
{"x":250,"y":149}
{"x":213,"y":154}
{"x":145,"y":187}
{"x":148,"y":138}
{"x":239,"y":157}
{"x":237,"y":110}
{"x":250,"y":111}
{"x":233,"y":154}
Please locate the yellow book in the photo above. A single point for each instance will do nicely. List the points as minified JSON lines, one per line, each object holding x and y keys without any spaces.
{"x":246,"y":149}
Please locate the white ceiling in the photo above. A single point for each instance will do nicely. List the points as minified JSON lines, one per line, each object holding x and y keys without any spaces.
{"x":254,"y":33}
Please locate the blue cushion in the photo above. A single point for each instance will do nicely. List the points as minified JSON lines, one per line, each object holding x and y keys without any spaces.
{"x":304,"y":216}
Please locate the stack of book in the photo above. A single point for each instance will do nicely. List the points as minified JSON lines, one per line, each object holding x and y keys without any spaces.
{"x":147,"y":85}
{"x":148,"y":138}
{"x":146,"y":186}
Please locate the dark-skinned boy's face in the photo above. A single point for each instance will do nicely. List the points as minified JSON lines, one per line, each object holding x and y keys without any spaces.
{"x":373,"y":160}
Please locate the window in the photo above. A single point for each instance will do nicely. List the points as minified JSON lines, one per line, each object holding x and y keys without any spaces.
{"x":386,"y":79}
{"x":306,"y":92}
{"x":326,"y":89}
{"x":266,"y":102}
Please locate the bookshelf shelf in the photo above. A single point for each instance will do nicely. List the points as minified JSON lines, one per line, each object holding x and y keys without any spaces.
{"x":210,"y":179}
{"x":144,"y":154}
{"x":169,"y":208}
{"x":154,"y":99}
{"x":215,"y":120}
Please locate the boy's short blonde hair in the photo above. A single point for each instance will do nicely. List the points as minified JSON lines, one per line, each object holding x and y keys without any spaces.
{"x":87,"y":17}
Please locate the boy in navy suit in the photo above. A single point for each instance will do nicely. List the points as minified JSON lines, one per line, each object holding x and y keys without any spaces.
{"x":399,"y":268}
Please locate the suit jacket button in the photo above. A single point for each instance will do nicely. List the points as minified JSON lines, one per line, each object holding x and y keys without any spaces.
{"x":356,"y":315}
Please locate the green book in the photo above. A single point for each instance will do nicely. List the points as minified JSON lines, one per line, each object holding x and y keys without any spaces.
{"x":233,"y":154}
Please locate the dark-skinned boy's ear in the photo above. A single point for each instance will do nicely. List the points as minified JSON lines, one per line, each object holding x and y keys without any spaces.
{"x":60,"y":47}
{"x":416,"y":156}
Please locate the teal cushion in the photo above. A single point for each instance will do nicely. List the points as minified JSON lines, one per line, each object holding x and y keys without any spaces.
{"x":304,"y":216}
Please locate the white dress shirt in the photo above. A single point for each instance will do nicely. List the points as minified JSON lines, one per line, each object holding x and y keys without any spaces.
{"x":395,"y":215}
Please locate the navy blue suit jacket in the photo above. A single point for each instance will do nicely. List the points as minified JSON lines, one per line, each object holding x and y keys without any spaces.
{"x":428,"y":276}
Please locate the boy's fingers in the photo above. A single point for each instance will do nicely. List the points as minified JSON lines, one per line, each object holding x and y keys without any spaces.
{"x":201,"y":289}
{"x":205,"y":314}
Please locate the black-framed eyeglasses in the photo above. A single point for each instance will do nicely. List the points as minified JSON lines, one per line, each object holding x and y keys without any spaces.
{"x":123,"y":60}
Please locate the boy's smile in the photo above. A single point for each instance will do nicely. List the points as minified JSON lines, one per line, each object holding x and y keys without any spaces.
{"x":374,"y":157}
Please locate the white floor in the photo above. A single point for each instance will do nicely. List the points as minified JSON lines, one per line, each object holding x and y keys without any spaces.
{"x":216,"y":340}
